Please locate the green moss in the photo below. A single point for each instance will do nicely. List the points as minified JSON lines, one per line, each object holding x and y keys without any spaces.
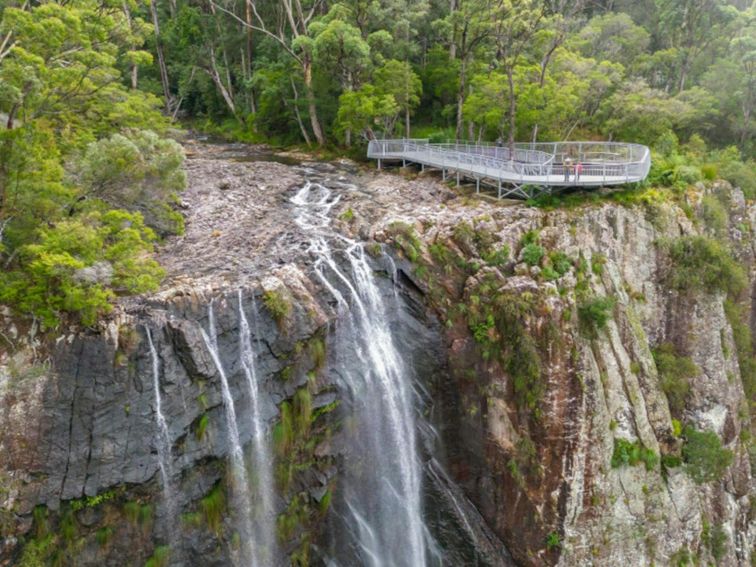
{"x":103,"y":536}
{"x":201,"y":428}
{"x":131,"y":511}
{"x":738,"y":316}
{"x":347,"y":216}
{"x":160,"y":557}
{"x":39,"y":515}
{"x":629,"y":453}
{"x":705,"y":458}
{"x":317,"y":349}
{"x":213,"y":506}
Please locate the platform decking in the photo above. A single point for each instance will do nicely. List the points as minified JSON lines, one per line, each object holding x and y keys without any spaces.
{"x":529,"y":169}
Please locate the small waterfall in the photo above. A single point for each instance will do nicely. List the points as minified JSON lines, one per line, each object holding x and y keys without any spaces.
{"x":383,"y":492}
{"x":163,"y":439}
{"x":240,"y":484}
{"x":263,"y":540}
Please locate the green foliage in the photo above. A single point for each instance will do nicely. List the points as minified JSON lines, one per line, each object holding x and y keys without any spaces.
{"x":553,"y":541}
{"x":201,"y":427}
{"x":348,"y":215}
{"x":406,"y":239}
{"x":705,"y":458}
{"x":77,"y":266}
{"x":675,"y":373}
{"x":703,"y":264}
{"x":213,"y":506}
{"x":738,"y":317}
{"x":103,"y":536}
{"x":532,"y":254}
{"x":714,"y":215}
{"x":136,"y":170}
{"x":594,"y":313}
{"x":715,"y":539}
{"x":278,"y":305}
{"x":160,"y":557}
{"x":629,"y":453}
{"x":66,"y":245}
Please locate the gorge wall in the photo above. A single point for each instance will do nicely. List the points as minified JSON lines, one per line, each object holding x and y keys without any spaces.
{"x":548,"y":432}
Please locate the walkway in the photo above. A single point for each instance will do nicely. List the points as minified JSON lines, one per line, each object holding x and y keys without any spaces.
{"x":529,"y":170}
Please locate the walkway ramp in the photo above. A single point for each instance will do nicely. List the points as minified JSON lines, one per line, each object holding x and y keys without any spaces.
{"x":527,"y":169}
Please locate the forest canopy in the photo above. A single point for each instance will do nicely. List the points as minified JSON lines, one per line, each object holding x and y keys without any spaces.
{"x":89,"y":88}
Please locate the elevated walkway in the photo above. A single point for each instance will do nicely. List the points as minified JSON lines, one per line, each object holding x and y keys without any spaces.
{"x":527,"y":170}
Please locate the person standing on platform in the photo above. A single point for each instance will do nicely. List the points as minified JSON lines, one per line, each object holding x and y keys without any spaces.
{"x":567,"y":165}
{"x":578,"y":171}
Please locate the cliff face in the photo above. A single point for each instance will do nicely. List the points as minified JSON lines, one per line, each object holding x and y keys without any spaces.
{"x":547,"y":426}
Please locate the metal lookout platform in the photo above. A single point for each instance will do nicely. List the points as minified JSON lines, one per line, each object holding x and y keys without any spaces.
{"x":529,"y":169}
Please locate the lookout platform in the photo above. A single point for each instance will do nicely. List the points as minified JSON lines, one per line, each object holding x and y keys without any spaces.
{"x":528,"y":169}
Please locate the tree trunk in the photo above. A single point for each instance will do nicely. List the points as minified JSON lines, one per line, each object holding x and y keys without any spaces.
{"x":215,"y":76}
{"x":407,"y":122}
{"x":452,"y":45}
{"x":297,"y":115}
{"x":311,"y":107}
{"x":161,"y":58}
{"x":512,"y":108}
{"x":461,"y":96}
{"x":249,"y":47}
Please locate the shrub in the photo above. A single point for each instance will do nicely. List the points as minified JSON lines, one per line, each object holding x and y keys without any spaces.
{"x":594,"y":313}
{"x":687,"y":174}
{"x":740,"y":175}
{"x":709,"y":171}
{"x":560,"y":262}
{"x":496,"y":256}
{"x":714,"y":214}
{"x":78,"y":265}
{"x":701,"y":263}
{"x":278,"y":305}
{"x":137,"y":171}
{"x":532,"y":254}
{"x":629,"y":453}
{"x":705,"y":458}
{"x":674,"y":374}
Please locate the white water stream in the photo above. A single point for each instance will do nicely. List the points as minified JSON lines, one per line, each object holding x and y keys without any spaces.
{"x":263,"y":541}
{"x":383,"y":482}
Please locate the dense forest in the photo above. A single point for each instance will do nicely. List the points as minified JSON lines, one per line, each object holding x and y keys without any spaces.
{"x":90,"y":89}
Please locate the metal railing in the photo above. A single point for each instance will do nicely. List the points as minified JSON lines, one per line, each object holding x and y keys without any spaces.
{"x":529,"y":163}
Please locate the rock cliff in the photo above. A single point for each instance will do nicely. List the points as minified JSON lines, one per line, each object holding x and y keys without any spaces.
{"x":566,"y":377}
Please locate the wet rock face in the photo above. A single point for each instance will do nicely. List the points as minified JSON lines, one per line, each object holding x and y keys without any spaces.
{"x":79,"y":436}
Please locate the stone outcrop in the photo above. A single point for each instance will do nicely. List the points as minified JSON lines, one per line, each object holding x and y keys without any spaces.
{"x":80,"y":473}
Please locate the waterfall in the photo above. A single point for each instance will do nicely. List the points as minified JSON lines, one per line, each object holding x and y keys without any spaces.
{"x":382,"y":484}
{"x":263,"y":541}
{"x":163,"y":439}
{"x":240,"y":485}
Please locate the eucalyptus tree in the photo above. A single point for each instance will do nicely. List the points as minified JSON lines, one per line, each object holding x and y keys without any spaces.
{"x":287,"y":23}
{"x":465,"y":30}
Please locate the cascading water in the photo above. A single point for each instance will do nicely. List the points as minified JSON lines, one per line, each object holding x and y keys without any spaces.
{"x":383,"y":492}
{"x":240,"y":485}
{"x":163,"y":437}
{"x":263,"y":540}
